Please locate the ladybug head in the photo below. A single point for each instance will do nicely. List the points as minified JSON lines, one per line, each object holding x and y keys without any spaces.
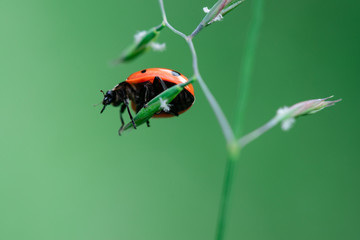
{"x":109,"y":97}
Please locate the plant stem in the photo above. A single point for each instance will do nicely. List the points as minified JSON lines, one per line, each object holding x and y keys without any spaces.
{"x":197,"y":30}
{"x":233,"y":156}
{"x":233,"y":146}
{"x":224,"y":124}
{"x":258,"y":132}
{"x":163,"y":13}
{"x":247,"y":64}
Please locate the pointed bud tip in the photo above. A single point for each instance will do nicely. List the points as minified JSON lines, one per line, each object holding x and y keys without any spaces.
{"x":287,"y":115}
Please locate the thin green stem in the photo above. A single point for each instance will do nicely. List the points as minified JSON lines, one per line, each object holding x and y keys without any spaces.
{"x":224,"y":124}
{"x":163,"y":13}
{"x":197,"y":30}
{"x":233,"y":146}
{"x":258,"y":132}
{"x":233,"y":156}
{"x":247,"y":64}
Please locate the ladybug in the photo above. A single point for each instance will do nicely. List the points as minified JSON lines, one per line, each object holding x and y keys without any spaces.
{"x":142,"y":86}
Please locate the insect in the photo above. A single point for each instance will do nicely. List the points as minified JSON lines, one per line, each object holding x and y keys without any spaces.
{"x":142,"y":86}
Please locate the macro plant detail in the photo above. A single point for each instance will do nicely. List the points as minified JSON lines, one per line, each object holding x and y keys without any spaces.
{"x":143,"y":41}
{"x":285,"y":116}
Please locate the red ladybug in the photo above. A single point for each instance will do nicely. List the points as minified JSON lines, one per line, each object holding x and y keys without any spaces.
{"x":142,"y":86}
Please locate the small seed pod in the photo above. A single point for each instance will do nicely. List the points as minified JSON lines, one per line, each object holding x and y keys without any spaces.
{"x":216,"y":13}
{"x":287,"y":115}
{"x":143,"y":41}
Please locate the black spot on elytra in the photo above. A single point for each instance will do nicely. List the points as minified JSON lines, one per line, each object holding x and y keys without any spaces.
{"x":143,"y":71}
{"x":175,"y":73}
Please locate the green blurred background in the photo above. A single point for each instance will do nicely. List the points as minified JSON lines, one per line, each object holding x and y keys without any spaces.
{"x":65,"y":174}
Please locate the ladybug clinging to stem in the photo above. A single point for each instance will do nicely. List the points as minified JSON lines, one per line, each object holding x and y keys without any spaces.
{"x":142,"y":86}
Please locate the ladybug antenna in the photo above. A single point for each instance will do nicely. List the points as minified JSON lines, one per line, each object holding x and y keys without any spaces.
{"x":95,"y":105}
{"x":101,"y":102}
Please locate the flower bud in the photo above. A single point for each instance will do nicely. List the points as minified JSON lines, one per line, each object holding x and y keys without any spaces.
{"x":287,"y":115}
{"x":216,"y":13}
{"x":143,"y":41}
{"x":230,"y":7}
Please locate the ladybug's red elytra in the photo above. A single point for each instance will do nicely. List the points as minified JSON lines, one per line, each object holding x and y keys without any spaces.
{"x":142,"y":86}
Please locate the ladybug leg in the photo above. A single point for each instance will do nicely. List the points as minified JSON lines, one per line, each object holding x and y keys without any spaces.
{"x":158,"y":81}
{"x":145,"y":97}
{"x":122,"y":110}
{"x":128,"y":109}
{"x":159,"y":86}
{"x":146,"y":100}
{"x":174,"y":112}
{"x":146,"y":94}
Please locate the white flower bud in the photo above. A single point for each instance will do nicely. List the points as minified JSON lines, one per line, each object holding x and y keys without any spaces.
{"x":287,"y":115}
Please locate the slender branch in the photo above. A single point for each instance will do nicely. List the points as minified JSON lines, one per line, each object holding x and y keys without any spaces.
{"x":224,"y":124}
{"x":163,"y":13}
{"x":167,"y":23}
{"x":287,"y":116}
{"x":247,"y":64}
{"x":258,"y":132}
{"x":196,"y":31}
{"x":234,"y":147}
{"x":226,"y":191}
{"x":248,"y":59}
